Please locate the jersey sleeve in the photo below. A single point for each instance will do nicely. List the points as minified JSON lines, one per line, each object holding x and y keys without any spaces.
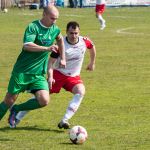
{"x":89,"y":44}
{"x":30,"y":34}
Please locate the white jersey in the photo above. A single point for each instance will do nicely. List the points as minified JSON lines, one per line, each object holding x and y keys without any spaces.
{"x":100,"y":2}
{"x":74,"y":56}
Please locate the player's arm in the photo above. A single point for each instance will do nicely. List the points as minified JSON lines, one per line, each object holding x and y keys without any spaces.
{"x":92,"y":50}
{"x":52,"y":59}
{"x":32,"y":47}
{"x":91,"y":65}
{"x":29,"y":41}
{"x":61,"y":48}
{"x":50,"y":79}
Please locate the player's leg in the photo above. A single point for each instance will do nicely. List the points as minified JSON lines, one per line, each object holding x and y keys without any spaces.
{"x":101,"y":19}
{"x":99,"y":11}
{"x":7,"y":103}
{"x":41,"y":99}
{"x":78,"y":90}
{"x":11,"y":96}
{"x":21,"y":114}
{"x":59,"y":78}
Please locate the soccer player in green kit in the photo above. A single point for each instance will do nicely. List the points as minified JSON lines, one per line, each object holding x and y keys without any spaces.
{"x":31,"y":65}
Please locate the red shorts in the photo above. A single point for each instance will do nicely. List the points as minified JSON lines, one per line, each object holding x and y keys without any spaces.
{"x":63,"y":81}
{"x":100,"y":8}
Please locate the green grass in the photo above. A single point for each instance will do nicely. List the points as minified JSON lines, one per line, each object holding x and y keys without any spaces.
{"x":115,"y":110}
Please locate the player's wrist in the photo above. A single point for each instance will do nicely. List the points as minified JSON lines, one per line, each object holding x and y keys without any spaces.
{"x":46,"y":49}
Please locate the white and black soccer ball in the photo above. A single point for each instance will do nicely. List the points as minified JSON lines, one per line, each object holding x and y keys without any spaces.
{"x":78,"y":134}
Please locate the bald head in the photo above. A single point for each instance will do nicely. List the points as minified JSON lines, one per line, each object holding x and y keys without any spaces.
{"x":50,"y":15}
{"x":50,"y":9}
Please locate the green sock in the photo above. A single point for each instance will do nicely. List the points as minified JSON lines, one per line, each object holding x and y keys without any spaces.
{"x":31,"y":104}
{"x":3,"y":109}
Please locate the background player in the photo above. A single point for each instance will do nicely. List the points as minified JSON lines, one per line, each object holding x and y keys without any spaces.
{"x":99,"y":9}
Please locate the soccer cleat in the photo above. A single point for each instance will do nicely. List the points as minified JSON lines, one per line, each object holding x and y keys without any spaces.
{"x":103,"y":26}
{"x":12,"y":119}
{"x":63,"y":124}
{"x":17,"y":121}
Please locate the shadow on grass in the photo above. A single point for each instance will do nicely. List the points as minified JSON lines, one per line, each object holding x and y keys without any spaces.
{"x":31,"y":128}
{"x":67,"y":143}
{"x":5,"y":139}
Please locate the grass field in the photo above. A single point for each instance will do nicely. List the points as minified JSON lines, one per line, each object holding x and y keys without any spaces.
{"x":116,"y":108}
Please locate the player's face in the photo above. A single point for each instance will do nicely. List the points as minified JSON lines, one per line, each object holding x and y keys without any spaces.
{"x":51,"y":18}
{"x":73,"y":34}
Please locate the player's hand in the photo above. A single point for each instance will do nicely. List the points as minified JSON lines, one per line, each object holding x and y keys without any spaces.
{"x":53,"y":48}
{"x":51,"y":81}
{"x":90,"y":67}
{"x":62,"y":63}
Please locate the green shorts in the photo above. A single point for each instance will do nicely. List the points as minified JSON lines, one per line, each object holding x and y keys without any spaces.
{"x":20,"y":82}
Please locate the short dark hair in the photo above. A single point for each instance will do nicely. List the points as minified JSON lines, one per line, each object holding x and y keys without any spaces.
{"x":73,"y":25}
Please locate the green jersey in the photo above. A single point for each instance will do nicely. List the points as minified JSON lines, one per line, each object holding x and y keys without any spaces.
{"x":36,"y":62}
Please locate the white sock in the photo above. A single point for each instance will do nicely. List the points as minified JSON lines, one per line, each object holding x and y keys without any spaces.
{"x":21,"y":114}
{"x":73,"y":107}
{"x":101,"y":20}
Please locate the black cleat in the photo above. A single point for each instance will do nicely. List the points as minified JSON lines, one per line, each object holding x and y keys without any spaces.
{"x":64,"y":124}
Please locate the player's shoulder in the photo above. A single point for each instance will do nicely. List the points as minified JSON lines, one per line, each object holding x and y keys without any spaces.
{"x":35,"y":22}
{"x":86,"y":39}
{"x":32,"y":26}
{"x":89,"y":44}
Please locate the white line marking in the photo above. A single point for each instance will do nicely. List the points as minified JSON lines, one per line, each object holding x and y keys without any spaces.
{"x":74,"y":15}
{"x":125,"y":31}
{"x":124,"y":17}
{"x":29,"y":14}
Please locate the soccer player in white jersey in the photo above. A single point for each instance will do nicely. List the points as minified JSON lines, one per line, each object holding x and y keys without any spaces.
{"x":69,"y":77}
{"x":99,"y":9}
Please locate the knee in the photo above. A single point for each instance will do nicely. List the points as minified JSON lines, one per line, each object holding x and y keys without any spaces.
{"x":81,"y":92}
{"x":79,"y":89}
{"x":43,"y":98}
{"x":9,"y":102}
{"x":9,"y":99}
{"x":44,"y":101}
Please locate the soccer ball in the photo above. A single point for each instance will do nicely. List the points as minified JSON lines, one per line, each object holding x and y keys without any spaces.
{"x":78,"y":134}
{"x":5,"y":10}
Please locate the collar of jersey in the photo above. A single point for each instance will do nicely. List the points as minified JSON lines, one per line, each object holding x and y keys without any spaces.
{"x":43,"y":25}
{"x":71,"y":43}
